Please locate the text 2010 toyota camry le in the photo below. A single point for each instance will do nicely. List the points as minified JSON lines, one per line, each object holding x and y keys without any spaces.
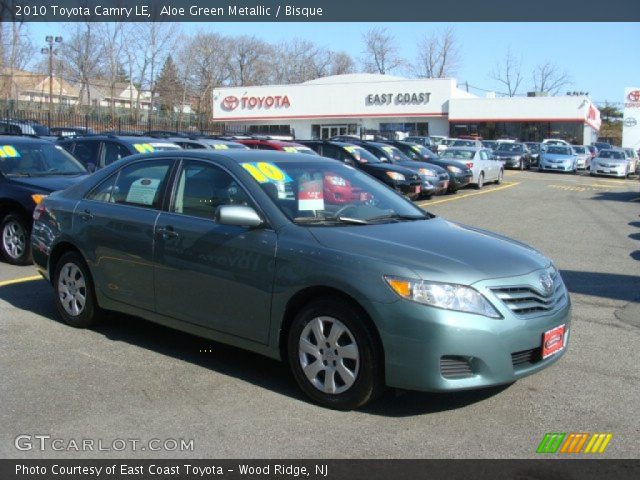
{"x":246,"y":248}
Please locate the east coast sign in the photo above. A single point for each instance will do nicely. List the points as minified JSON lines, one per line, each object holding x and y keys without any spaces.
{"x":398,"y":98}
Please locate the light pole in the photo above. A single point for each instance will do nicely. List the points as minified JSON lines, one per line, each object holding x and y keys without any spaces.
{"x":50,"y":41}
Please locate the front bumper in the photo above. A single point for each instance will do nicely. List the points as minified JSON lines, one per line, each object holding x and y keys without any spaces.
{"x":459,"y":180}
{"x":619,"y":172}
{"x":412,"y":189}
{"x":417,"y":339}
{"x":556,"y":167}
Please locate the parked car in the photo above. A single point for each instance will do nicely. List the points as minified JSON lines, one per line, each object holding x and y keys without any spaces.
{"x":632,"y":156}
{"x":30,"y":169}
{"x":481,"y":163}
{"x":603,"y":145}
{"x":611,"y":162}
{"x":98,"y":151}
{"x":204,"y":143}
{"x":490,"y":144}
{"x":278,"y":145}
{"x":559,"y":158}
{"x":461,"y":142}
{"x":534,"y":149}
{"x":555,"y":141}
{"x":431,"y":181}
{"x":424,"y":141}
{"x":444,"y":144}
{"x":583,"y":157}
{"x":514,"y":155}
{"x":403,"y":180}
{"x":70,"y":131}
{"x":23,"y":127}
{"x":355,"y":297}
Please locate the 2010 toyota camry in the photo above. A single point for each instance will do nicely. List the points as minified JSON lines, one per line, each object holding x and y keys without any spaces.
{"x":244,"y":248}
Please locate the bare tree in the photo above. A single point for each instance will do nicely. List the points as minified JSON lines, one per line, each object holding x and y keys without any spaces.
{"x":548,"y":78}
{"x":248,"y":61}
{"x":17,"y":51}
{"x":83,"y":53}
{"x":298,"y":61}
{"x":112,"y":48}
{"x":341,"y":63}
{"x":509,"y":73}
{"x":438,"y":55}
{"x":380,"y":53}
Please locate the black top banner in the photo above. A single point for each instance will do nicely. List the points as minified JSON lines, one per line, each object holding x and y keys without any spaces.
{"x":318,"y":11}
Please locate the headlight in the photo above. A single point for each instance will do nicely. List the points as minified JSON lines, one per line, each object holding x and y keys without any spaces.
{"x":453,"y":169}
{"x":443,"y":295}
{"x":396,"y":176}
{"x":427,"y":172}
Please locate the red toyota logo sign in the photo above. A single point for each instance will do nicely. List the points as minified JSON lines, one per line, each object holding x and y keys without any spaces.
{"x":230,"y":102}
{"x":634,"y":96}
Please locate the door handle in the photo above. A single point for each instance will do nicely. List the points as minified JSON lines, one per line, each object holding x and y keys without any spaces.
{"x":86,"y":215}
{"x":167,"y":232}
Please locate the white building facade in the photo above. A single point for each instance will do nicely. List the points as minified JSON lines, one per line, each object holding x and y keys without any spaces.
{"x":355,"y":104}
{"x":631,"y":118}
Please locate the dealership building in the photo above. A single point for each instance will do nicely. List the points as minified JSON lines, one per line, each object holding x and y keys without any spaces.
{"x":357,"y":103}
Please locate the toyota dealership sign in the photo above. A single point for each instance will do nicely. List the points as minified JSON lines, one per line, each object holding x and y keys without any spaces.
{"x":631,"y":118}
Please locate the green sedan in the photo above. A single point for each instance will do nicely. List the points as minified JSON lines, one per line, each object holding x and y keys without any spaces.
{"x":307,"y":260}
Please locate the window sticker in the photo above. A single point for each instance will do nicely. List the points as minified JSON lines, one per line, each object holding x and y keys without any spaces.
{"x":310,"y":195}
{"x":8,"y":151}
{"x":290,"y":149}
{"x":389,"y":150}
{"x":220,"y":146}
{"x":264,"y":172}
{"x":143,"y":191}
{"x":416,"y":148}
{"x":143,"y":147}
{"x":351,"y":149}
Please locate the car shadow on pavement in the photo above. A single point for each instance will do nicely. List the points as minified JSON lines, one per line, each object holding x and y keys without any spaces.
{"x":606,"y":285}
{"x":626,"y":196}
{"x":37,"y":297}
{"x":634,"y":224}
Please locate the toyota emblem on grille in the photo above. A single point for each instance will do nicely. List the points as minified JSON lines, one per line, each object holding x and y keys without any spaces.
{"x":547,"y":283}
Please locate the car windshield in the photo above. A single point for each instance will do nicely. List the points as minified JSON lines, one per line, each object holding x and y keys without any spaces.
{"x":37,"y":159}
{"x":611,"y":154}
{"x":165,"y":146}
{"x":361,"y":155}
{"x":489,"y":144}
{"x":327,"y":193}
{"x":40,"y":129}
{"x":458,"y":154}
{"x":534,"y":147}
{"x":509,"y":147}
{"x":557,"y":150}
{"x":464,"y":143}
{"x":393,"y":154}
{"x":579,"y":149}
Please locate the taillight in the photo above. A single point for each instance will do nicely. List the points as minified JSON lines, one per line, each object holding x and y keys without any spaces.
{"x":38,"y":211}
{"x":470,"y":164}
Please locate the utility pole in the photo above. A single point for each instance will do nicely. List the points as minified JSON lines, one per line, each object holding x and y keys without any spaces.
{"x":50,"y":41}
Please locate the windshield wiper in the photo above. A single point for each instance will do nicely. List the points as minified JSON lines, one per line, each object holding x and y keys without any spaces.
{"x":349,"y":220}
{"x":18,"y":174}
{"x":397,"y":216}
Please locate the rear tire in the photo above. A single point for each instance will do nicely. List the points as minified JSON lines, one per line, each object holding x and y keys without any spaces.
{"x":75,"y":297}
{"x":15,"y":244}
{"x":343,"y":372}
{"x":480,"y":183}
{"x":500,"y":175}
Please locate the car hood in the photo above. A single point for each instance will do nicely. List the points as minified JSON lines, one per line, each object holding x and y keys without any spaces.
{"x":436,"y":249}
{"x":48,"y":183}
{"x":508,"y":154}
{"x":555,"y":156}
{"x":386,"y":167}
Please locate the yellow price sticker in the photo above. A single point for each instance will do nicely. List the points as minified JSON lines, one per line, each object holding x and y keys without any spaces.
{"x":351,"y":149}
{"x":266,"y":172}
{"x":290,"y":149}
{"x":416,"y":148}
{"x":8,"y":151}
{"x":387,"y":149}
{"x":220,"y":146}
{"x":143,"y":147}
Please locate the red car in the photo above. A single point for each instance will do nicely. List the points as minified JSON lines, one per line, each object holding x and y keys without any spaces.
{"x":336,"y":190}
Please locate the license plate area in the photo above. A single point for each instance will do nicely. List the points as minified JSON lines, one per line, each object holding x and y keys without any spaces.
{"x":553,"y":341}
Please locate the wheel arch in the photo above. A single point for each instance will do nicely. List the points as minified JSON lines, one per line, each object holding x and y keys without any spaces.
{"x":58,"y":251}
{"x":8,"y":205}
{"x":308,"y":294}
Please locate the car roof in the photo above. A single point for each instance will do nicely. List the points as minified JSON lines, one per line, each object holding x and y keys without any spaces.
{"x":23,"y":139}
{"x":238,"y":155}
{"x":123,"y":138}
{"x":458,"y":149}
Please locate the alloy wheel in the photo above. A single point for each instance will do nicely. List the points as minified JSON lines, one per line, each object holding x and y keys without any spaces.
{"x":72,"y":289}
{"x":14,"y":239}
{"x":329,"y":355}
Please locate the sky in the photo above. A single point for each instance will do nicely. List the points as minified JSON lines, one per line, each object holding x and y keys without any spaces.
{"x":600,"y":58}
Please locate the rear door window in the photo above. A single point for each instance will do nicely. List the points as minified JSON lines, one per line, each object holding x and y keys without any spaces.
{"x":142,"y":184}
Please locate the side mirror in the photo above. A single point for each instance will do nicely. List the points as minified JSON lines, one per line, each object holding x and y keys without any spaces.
{"x":238,"y":215}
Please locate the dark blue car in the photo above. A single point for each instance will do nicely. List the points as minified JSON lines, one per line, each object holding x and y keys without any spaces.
{"x":30,"y":169}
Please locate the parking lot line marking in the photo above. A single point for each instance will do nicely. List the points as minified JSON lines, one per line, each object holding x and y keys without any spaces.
{"x":13,"y":281}
{"x":460,"y":197}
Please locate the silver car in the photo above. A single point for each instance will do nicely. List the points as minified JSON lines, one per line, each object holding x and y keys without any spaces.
{"x":611,"y":162}
{"x":632,"y":156}
{"x":483,"y":165}
{"x":583,"y":157}
{"x":559,"y":158}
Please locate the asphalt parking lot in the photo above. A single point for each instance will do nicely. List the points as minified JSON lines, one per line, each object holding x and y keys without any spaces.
{"x":132,"y":379}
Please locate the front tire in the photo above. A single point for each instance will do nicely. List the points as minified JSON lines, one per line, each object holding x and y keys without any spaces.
{"x":500,"y":176}
{"x":334,"y":355}
{"x":75,"y":297}
{"x":480,"y":183}
{"x":15,"y":246}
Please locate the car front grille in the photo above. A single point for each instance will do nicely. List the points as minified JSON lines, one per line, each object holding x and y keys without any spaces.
{"x":526,"y":357}
{"x":526,"y":300}
{"x":454,"y":367}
